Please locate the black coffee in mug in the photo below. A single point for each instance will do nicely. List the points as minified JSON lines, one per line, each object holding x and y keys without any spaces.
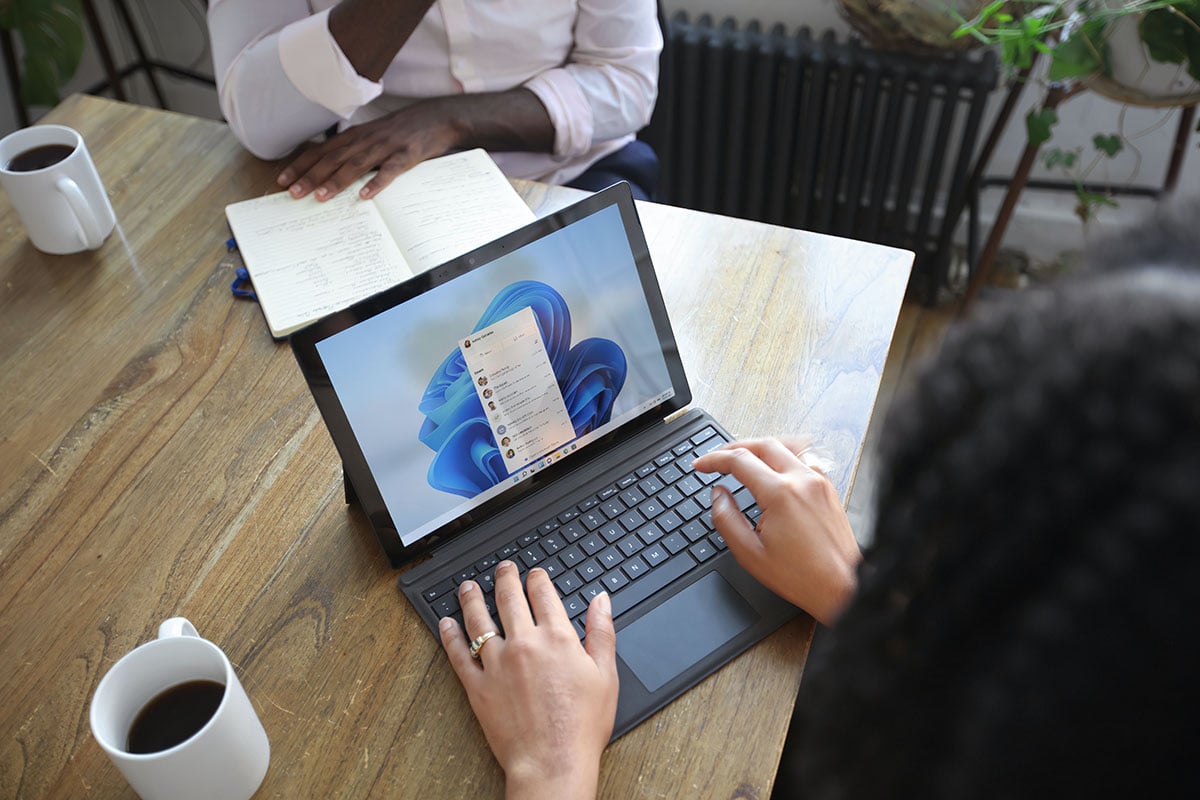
{"x":174,"y":716}
{"x":40,"y":157}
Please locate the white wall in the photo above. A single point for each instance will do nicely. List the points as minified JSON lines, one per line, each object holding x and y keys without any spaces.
{"x":1044,"y":225}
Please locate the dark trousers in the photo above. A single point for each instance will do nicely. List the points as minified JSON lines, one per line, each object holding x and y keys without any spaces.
{"x":636,"y":163}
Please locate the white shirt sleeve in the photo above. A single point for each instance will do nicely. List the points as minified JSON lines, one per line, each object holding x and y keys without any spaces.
{"x":608,"y":86}
{"x":281,"y":78}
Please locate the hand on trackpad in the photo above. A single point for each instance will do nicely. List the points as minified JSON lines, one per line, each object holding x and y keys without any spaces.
{"x":683,"y":630}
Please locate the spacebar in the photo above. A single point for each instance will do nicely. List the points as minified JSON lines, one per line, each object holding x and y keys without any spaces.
{"x":656,"y":579}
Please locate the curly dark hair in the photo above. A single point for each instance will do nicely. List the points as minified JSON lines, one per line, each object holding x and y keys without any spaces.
{"x":1027,"y":622}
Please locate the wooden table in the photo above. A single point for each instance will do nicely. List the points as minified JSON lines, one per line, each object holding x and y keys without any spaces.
{"x":161,"y":456}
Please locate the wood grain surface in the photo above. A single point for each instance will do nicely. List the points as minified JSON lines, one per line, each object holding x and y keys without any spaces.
{"x":160,"y":455}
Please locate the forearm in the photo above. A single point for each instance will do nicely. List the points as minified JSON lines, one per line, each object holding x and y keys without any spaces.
{"x":371,"y":32}
{"x":511,"y":120}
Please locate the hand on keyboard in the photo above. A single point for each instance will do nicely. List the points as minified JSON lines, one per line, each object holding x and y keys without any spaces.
{"x":546,"y":701}
{"x":802,"y":547}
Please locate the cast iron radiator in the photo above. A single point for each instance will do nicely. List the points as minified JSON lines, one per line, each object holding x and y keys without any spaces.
{"x":820,"y":134}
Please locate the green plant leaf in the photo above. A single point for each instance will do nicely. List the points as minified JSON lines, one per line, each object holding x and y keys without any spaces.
{"x":1080,"y":54}
{"x":1109,"y":145}
{"x":1038,"y":125}
{"x":1059,"y":158}
{"x":1172,"y":35}
{"x":1089,"y":202}
{"x":51,"y":36}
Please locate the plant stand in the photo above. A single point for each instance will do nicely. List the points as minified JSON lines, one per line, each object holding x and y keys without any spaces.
{"x":1055,"y":95}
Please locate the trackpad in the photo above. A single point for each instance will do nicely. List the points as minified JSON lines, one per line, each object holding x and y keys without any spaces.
{"x":684,"y":630}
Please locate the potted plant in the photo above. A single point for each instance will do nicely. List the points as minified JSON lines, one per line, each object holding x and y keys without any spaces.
{"x":1142,"y":52}
{"x":51,"y":39}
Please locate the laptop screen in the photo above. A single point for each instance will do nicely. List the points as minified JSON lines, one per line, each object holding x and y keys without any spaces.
{"x":466,"y":391}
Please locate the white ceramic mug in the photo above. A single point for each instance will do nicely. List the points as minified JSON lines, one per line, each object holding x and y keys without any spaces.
{"x":63,"y":206}
{"x":226,"y":758}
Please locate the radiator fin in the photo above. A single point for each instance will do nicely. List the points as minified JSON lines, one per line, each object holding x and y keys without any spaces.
{"x":820,"y":134}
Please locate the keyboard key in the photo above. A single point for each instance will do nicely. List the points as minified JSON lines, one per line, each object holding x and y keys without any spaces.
{"x":651,"y":486}
{"x":610,"y":557}
{"x":589,"y":570}
{"x":508,"y":551}
{"x":632,"y":496}
{"x":675,"y":542}
{"x":465,"y":575}
{"x":644,"y":470}
{"x":655,"y":554}
{"x":591,"y":502}
{"x":590,"y":591}
{"x":650,"y":533}
{"x":548,"y":526}
{"x":681,"y":448}
{"x":571,"y":531}
{"x":718,"y":541}
{"x":531,"y":557}
{"x":437,"y":590}
{"x":694,"y":531}
{"x":744,"y":498}
{"x":630,"y":544}
{"x":670,"y":497}
{"x":688,"y":509}
{"x":689,"y":484}
{"x":487,"y":582}
{"x":612,"y":508}
{"x":702,"y":551}
{"x":614,"y":580}
{"x":635,"y":567}
{"x":632,"y":520}
{"x":669,"y":475}
{"x":572,"y":555}
{"x":568,"y":582}
{"x":574,"y":605}
{"x":607,"y":494}
{"x":684,"y":462}
{"x":627,"y":481}
{"x":651,"y":582}
{"x":486,"y":564}
{"x":669,"y":521}
{"x":553,"y":567}
{"x":708,"y":446}
{"x":446,"y":605}
{"x":593,"y":519}
{"x":592,"y":544}
{"x":651,"y":508}
{"x":612,"y":532}
{"x":568,"y":515}
{"x":664,"y":459}
{"x":528,"y":538}
{"x":552,"y":544}
{"x":704,"y":435}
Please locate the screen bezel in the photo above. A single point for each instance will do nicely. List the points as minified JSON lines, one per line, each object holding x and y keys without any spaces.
{"x":357,"y":471}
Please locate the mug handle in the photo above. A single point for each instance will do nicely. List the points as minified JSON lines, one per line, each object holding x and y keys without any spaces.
{"x":177,"y":626}
{"x":92,"y":237}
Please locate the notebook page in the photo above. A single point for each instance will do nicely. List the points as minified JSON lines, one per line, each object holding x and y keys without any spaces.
{"x":444,"y":207}
{"x":309,"y":259}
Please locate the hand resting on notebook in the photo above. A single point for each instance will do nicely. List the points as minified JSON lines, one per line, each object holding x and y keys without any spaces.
{"x":546,"y":702}
{"x":802,"y":548}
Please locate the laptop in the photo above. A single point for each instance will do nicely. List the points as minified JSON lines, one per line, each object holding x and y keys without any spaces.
{"x":526,"y":401}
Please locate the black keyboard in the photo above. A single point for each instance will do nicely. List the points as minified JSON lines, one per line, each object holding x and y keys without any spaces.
{"x":630,"y":538}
